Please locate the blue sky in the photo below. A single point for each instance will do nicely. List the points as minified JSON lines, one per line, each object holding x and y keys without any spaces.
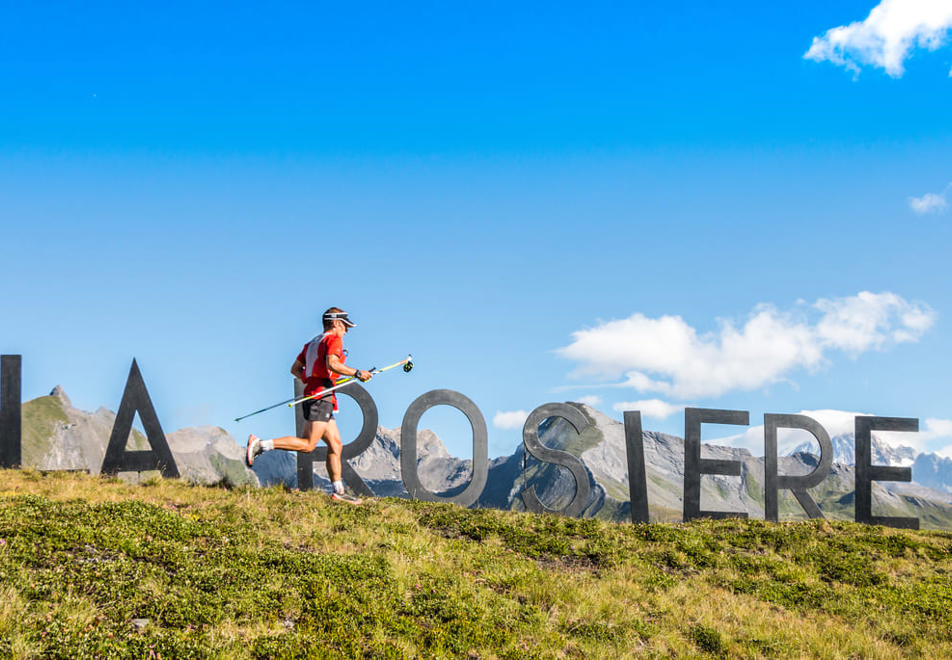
{"x":478,"y":184}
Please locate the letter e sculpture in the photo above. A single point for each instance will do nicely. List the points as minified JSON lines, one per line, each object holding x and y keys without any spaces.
{"x":867,"y":473}
{"x":695,"y":466}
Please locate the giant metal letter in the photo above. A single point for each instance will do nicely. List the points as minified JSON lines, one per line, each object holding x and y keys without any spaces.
{"x":368,"y":431}
{"x":695,"y":466}
{"x":530,"y":436}
{"x":637,"y":478}
{"x":866,"y":472}
{"x":408,"y":447}
{"x":135,"y":398}
{"x":305,"y":467}
{"x":10,"y":421}
{"x":799,"y":483}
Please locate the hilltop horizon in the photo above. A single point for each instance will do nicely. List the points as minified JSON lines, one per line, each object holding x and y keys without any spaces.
{"x":58,"y":436}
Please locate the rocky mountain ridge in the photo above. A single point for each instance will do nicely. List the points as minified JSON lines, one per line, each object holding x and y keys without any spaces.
{"x":844,"y":451}
{"x":928,"y":469}
{"x":601,"y":448}
{"x":58,"y":436}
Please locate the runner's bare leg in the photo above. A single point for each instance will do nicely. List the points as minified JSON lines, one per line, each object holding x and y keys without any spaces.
{"x":334,"y":450}
{"x":314,"y":432}
{"x":312,"y":435}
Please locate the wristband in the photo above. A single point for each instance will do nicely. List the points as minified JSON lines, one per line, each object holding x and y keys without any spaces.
{"x":357,"y":374}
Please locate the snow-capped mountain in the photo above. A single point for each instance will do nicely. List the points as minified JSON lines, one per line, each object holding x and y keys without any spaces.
{"x":844,"y":451}
{"x":933,"y":471}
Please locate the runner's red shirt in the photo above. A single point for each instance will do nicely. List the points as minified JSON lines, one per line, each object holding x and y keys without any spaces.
{"x":314,"y":358}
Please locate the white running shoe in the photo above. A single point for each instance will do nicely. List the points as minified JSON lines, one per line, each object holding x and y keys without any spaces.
{"x":254,"y":448}
{"x":346,"y":496}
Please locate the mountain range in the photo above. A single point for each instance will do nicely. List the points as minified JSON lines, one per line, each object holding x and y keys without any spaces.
{"x":844,"y":451}
{"x":57,"y":436}
{"x":928,"y":469}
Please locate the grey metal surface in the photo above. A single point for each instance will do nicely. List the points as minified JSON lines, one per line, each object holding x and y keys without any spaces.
{"x":135,"y":399}
{"x":867,"y":473}
{"x":695,"y":466}
{"x":408,"y":447}
{"x":10,"y":414}
{"x":305,"y":461}
{"x":535,"y":448}
{"x":796,"y":483}
{"x":305,"y":464}
{"x":637,"y":476}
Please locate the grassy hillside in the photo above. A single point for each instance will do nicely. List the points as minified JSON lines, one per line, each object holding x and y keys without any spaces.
{"x":96,"y":567}
{"x":40,"y":417}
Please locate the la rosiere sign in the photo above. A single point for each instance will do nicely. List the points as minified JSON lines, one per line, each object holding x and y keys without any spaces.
{"x":136,"y":399}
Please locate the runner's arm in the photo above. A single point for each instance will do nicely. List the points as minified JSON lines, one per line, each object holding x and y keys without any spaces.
{"x":334,"y":364}
{"x":297,"y":370}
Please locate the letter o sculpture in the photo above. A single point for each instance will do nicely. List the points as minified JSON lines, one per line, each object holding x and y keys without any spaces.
{"x":408,"y":447}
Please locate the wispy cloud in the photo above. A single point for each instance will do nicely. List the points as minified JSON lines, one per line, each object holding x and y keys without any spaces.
{"x":510,"y":420}
{"x":938,"y":429}
{"x":931,"y":202}
{"x":887,"y":37}
{"x":941,"y":429}
{"x":668,"y":356}
{"x":655,"y":408}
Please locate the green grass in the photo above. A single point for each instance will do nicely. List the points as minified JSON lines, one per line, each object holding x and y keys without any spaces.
{"x":754,"y":488}
{"x":93,"y":567}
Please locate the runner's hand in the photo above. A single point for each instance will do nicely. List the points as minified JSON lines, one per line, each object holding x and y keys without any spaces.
{"x":363,"y":376}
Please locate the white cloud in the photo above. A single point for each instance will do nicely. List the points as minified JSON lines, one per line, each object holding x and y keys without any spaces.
{"x":887,"y":36}
{"x":937,"y":429}
{"x":865,"y":321}
{"x":655,"y":408}
{"x":668,"y":356}
{"x":930,"y":202}
{"x":836,"y":422}
{"x":510,"y":420}
{"x":590,"y":400}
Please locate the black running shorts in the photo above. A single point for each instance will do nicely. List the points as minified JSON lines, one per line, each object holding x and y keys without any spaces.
{"x":318,"y":410}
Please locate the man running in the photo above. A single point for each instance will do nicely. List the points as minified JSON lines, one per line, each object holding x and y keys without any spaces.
{"x":318,"y":365}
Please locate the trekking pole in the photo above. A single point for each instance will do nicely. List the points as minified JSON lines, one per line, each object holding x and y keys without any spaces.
{"x":238,"y":419}
{"x":407,"y":366}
